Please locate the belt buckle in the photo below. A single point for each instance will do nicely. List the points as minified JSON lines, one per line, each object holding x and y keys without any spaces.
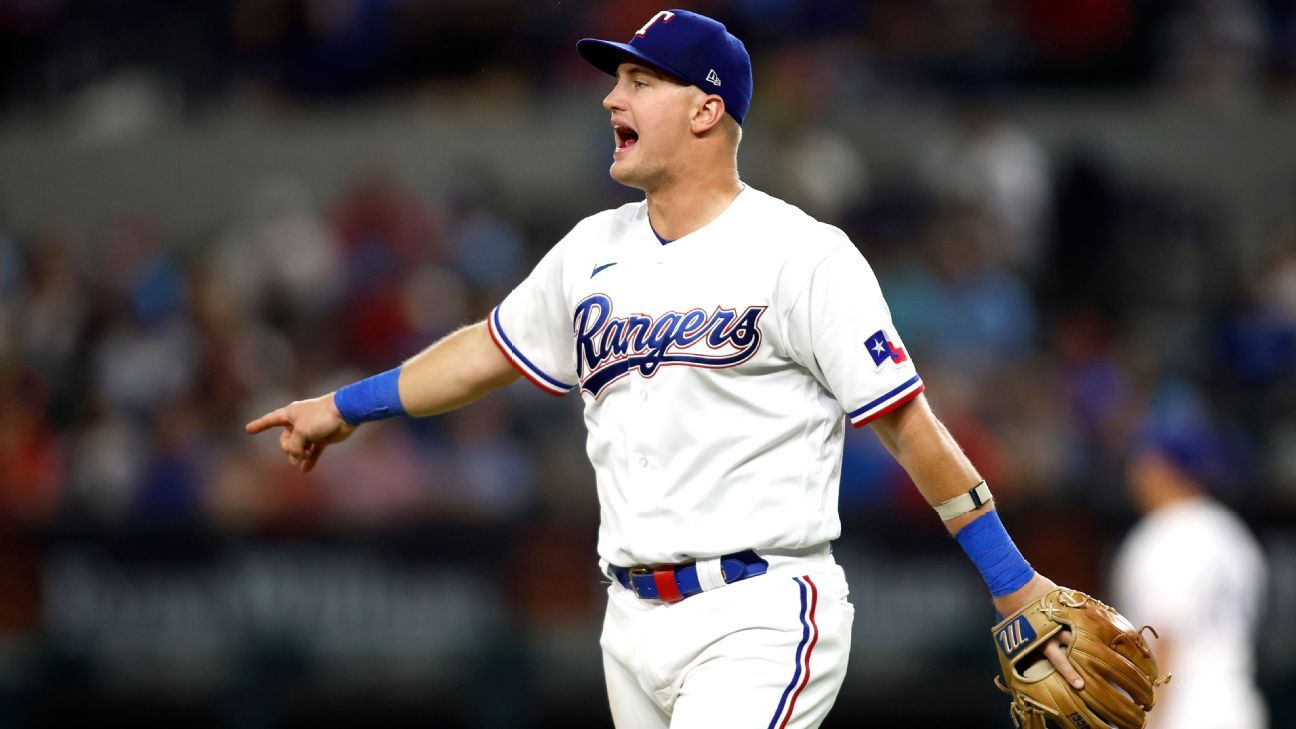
{"x":634,"y":586}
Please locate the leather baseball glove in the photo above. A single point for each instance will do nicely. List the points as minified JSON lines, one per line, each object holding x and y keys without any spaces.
{"x":1115,"y":661}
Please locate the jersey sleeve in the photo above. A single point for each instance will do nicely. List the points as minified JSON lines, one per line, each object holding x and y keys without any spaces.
{"x":532,"y":326}
{"x":839,"y":327}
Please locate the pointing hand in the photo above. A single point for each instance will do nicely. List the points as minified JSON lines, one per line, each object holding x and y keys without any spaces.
{"x":309,"y":426}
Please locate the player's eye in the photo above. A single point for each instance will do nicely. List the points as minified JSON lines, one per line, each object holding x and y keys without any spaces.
{"x":641,"y":84}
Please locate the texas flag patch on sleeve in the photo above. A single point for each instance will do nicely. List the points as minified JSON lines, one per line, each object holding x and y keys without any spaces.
{"x":882,"y":349}
{"x":888,"y":386}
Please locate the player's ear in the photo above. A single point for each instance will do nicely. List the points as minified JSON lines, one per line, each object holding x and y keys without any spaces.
{"x":708,"y":113}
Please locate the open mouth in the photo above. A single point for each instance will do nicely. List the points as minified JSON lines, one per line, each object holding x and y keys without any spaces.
{"x":625,"y":137}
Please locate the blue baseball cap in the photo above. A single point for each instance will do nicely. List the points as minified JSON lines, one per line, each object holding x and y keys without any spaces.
{"x":691,"y":47}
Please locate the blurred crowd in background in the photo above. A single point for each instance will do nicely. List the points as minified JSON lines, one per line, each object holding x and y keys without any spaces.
{"x":1048,"y":301}
{"x":1059,"y":308}
{"x":297,"y":51}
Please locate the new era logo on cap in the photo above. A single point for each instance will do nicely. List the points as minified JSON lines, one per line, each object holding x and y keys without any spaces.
{"x":691,"y":47}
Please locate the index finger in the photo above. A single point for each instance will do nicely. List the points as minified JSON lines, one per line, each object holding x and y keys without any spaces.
{"x":269,"y":420}
{"x":1057,"y":656}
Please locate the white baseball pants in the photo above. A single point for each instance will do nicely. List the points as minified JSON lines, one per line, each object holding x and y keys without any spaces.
{"x":768,"y":652}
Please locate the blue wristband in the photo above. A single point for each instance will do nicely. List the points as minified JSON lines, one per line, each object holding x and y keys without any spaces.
{"x":992,"y":551}
{"x":373,"y":398}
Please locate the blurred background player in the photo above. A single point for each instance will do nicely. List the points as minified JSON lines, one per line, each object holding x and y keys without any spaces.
{"x":1192,"y":568}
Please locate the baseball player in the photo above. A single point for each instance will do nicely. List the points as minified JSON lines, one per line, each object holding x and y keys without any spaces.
{"x":1193,"y":568}
{"x":720,"y":340}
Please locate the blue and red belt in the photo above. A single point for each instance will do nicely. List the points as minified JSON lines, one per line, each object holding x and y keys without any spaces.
{"x":672,"y":583}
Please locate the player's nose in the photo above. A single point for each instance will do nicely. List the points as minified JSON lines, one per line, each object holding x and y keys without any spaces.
{"x":615,"y":100}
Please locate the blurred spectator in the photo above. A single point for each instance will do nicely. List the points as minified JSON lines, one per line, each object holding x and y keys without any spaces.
{"x":50,"y":315}
{"x":138,"y":367}
{"x":385,"y":229}
{"x":1215,"y":53}
{"x":1261,"y":337}
{"x":820,"y":169}
{"x":435,"y":302}
{"x":107,"y":467}
{"x":32,"y":476}
{"x":984,"y":313}
{"x":1043,"y":451}
{"x":140,"y":270}
{"x":283,"y":248}
{"x":174,"y":481}
{"x":379,"y":481}
{"x":990,"y":164}
{"x":488,"y":476}
{"x":816,"y":166}
{"x":1094,"y":383}
{"x":485,"y":247}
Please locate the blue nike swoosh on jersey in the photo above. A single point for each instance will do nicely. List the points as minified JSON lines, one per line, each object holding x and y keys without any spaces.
{"x":600,"y":268}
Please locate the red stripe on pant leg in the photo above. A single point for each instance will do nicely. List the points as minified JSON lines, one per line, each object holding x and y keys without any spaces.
{"x":814,"y":638}
{"x":667,"y":588}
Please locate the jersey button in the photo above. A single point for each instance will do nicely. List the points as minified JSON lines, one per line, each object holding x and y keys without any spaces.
{"x":643,"y":394}
{"x":643,"y":462}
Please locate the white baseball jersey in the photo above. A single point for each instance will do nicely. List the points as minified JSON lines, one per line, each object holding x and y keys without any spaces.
{"x":1194,"y":572}
{"x":715,"y":370}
